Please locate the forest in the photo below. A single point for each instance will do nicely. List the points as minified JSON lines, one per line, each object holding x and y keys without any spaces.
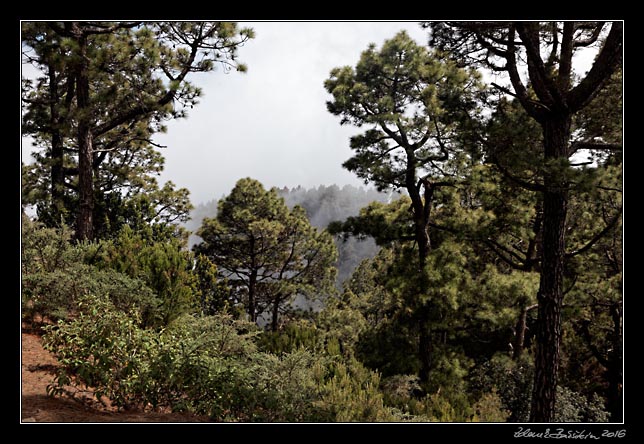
{"x":476,"y":277}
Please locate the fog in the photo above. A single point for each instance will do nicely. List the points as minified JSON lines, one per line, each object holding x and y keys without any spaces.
{"x":271,"y":123}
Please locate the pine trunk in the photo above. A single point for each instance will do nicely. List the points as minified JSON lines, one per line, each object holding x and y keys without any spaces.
{"x":252,"y":284}
{"x":425,"y":346}
{"x":550,"y":296}
{"x":519,"y":335}
{"x":84,"y":221}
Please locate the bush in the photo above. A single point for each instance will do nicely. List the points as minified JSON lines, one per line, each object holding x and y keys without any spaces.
{"x":163,"y":265}
{"x":208,"y":365}
{"x":102,"y":348}
{"x":56,"y":275}
{"x":294,"y":335}
{"x":489,"y":408}
{"x":572,"y":406}
{"x":350,"y":394}
{"x":512,"y":381}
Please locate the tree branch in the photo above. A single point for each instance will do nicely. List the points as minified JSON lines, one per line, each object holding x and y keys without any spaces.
{"x":504,"y":258}
{"x":593,"y":37}
{"x":541,"y":82}
{"x":585,"y":333}
{"x":611,"y":224}
{"x":607,"y":61}
{"x":507,"y":91}
{"x":517,"y":84}
{"x":505,"y":249}
{"x":565,"y":61}
{"x":521,"y":182}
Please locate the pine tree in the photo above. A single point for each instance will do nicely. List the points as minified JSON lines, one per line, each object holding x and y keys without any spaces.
{"x":414,"y":105}
{"x":109,"y":87}
{"x":268,"y":253}
{"x":552,"y":100}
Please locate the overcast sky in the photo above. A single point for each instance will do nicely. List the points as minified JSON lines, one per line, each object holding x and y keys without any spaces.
{"x":271,"y":123}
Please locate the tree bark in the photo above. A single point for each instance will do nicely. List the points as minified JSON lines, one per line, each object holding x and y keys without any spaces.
{"x":252,"y":286}
{"x":521,"y":328}
{"x":276,"y":314}
{"x":556,"y":131}
{"x":85,"y":219}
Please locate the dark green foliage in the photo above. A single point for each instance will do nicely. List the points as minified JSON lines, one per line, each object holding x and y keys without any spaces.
{"x":214,"y":294}
{"x":293,"y":336}
{"x":411,"y":103}
{"x":103,"y":90}
{"x":268,"y":253}
{"x":56,"y":275}
{"x":164,"y":265}
{"x":102,"y":348}
{"x":208,"y":365}
{"x":510,"y":379}
{"x":574,"y":407}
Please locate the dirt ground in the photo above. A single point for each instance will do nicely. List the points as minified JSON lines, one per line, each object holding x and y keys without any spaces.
{"x":38,"y":369}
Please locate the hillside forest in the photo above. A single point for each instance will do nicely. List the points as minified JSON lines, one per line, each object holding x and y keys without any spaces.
{"x":476,"y":277}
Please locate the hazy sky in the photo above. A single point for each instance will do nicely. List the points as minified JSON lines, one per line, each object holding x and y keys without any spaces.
{"x":271,"y":123}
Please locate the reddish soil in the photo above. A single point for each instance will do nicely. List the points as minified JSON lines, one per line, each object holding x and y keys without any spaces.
{"x":38,"y":369}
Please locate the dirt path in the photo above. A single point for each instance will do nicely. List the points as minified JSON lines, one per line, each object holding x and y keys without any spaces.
{"x":38,"y":368}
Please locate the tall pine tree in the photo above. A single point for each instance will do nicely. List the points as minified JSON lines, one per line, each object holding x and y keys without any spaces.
{"x":552,"y":98}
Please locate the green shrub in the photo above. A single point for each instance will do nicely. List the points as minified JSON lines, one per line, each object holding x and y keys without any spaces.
{"x":489,"y":408}
{"x":512,"y":381}
{"x":102,"y":348}
{"x":56,"y":275}
{"x":399,"y":390}
{"x":55,"y":294}
{"x":295,"y":335}
{"x":350,"y":393}
{"x":212,"y":365}
{"x":163,"y":265}
{"x":571,"y":406}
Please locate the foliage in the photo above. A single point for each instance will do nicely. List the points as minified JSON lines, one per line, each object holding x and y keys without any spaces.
{"x":438,"y":320}
{"x":164,"y":265}
{"x":214,"y":293}
{"x":489,"y":409}
{"x":511,"y":382}
{"x":510,"y":379}
{"x":208,"y":365}
{"x":352,"y":395}
{"x":102,"y":348}
{"x":574,"y":407}
{"x":268,"y":253}
{"x":56,"y":275}
{"x":411,"y":102}
{"x":295,"y":335}
{"x":103,"y":90}
{"x":323,"y":205}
